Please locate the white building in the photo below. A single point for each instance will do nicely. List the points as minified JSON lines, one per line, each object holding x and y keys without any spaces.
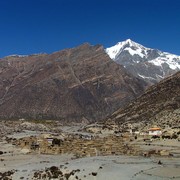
{"x":155,"y":131}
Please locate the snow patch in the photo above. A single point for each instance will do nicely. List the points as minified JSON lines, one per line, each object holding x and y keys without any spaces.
{"x":133,"y":52}
{"x":171,"y":60}
{"x":145,"y":77}
{"x":16,"y":55}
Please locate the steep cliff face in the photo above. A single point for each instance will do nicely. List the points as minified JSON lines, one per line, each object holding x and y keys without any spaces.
{"x":75,"y":84}
{"x":159,"y":104}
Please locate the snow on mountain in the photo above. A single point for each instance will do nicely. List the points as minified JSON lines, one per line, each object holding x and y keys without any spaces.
{"x":173,"y":61}
{"x":144,"y":62}
{"x":17,"y":55}
{"x":138,"y":49}
{"x":21,"y":56}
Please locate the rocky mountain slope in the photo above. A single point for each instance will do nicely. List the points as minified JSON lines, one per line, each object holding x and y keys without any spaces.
{"x":160,"y":104}
{"x":78,"y":84}
{"x":148,"y":64}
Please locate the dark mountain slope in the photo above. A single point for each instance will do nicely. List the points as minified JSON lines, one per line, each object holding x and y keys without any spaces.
{"x":75,"y":84}
{"x":159,"y":104}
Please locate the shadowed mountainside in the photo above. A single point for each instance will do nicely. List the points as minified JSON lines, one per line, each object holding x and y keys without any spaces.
{"x":160,"y":104}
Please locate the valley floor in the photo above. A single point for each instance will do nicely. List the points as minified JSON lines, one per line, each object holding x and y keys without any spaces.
{"x":18,"y":163}
{"x":91,"y":168}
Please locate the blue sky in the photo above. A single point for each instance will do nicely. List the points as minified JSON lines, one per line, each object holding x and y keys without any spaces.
{"x":35,"y":26}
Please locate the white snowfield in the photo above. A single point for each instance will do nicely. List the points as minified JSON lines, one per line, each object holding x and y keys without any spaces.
{"x":114,"y":51}
{"x":173,"y":61}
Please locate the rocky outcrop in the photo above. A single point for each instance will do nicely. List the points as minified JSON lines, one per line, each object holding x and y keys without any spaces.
{"x":160,"y":104}
{"x":78,"y":84}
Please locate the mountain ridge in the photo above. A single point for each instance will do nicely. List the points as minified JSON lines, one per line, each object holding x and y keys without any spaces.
{"x":76,"y":84}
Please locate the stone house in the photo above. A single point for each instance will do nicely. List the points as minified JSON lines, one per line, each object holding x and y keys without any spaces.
{"x":155,"y":131}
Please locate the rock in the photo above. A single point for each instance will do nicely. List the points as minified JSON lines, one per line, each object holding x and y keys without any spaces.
{"x":94,"y":173}
{"x":159,"y":162}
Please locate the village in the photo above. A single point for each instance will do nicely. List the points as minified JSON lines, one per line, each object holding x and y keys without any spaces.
{"x":100,"y":140}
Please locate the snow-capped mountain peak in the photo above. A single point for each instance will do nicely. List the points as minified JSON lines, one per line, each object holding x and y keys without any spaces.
{"x":127,"y":45}
{"x":144,"y":62}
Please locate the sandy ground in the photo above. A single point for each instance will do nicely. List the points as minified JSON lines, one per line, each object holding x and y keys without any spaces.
{"x":25,"y":133}
{"x":106,"y":167}
{"x":172,"y":146}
